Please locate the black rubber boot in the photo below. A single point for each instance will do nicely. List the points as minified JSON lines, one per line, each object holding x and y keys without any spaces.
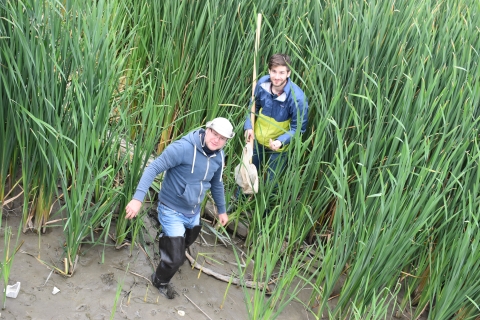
{"x":164,"y":289}
{"x":172,"y":255}
{"x":191,"y":235}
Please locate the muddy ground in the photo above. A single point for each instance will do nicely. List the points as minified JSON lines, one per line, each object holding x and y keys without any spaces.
{"x":113,"y":283}
{"x":101,"y":273}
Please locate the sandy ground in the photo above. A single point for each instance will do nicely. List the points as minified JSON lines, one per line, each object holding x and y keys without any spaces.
{"x":111,"y":283}
{"x":91,"y":293}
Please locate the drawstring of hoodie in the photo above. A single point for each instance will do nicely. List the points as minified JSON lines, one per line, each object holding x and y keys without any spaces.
{"x":223,"y":165}
{"x":194,"y":157}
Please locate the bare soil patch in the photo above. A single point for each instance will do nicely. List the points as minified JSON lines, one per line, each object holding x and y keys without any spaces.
{"x":91,"y":293}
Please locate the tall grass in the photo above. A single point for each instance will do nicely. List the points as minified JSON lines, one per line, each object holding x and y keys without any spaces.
{"x":90,"y":189}
{"x":383,"y":186}
{"x":8,"y":149}
{"x":62,"y":95}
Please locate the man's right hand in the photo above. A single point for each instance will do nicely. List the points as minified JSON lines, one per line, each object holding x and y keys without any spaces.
{"x":249,"y":135}
{"x":132,"y":208}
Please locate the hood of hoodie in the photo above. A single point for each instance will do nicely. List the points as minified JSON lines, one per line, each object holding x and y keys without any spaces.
{"x":196,"y":141}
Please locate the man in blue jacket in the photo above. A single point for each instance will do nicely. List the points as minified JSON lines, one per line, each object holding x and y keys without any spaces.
{"x":192,"y":165}
{"x":281,"y":110}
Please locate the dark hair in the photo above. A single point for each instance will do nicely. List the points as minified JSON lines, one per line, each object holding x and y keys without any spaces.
{"x":279,"y":59}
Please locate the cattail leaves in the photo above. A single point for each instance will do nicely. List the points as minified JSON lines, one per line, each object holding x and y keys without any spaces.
{"x":384,"y":184}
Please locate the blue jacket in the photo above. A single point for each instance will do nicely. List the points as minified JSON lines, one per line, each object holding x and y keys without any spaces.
{"x":278,"y":116}
{"x":189,"y":173}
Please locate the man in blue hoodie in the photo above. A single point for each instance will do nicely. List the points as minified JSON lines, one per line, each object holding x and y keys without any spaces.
{"x":192,"y":165}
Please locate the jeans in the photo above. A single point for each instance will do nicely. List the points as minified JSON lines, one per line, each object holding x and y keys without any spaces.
{"x":174,"y":223}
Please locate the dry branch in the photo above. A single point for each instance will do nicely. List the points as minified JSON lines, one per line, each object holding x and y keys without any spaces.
{"x":249,"y":284}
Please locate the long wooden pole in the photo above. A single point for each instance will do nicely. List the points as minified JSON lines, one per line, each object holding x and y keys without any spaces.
{"x":257,"y":45}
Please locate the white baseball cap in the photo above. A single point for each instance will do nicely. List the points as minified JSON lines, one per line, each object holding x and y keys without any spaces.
{"x":222,"y":126}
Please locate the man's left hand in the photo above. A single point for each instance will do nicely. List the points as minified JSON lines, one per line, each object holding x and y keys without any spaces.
{"x":223,"y":218}
{"x":275,"y":145}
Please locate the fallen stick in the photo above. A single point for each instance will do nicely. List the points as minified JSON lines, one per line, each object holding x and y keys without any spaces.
{"x":248,"y":284}
{"x":148,"y":257}
{"x":47,"y":278}
{"x":51,"y":267}
{"x":134,"y":273}
{"x":197,"y":306}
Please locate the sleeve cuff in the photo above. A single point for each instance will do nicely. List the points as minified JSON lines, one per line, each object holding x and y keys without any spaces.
{"x":222,"y":209}
{"x":139,"y":195}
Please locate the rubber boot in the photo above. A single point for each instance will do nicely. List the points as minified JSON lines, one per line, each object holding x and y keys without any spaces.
{"x":172,"y":255}
{"x":191,"y":235}
{"x":164,"y":289}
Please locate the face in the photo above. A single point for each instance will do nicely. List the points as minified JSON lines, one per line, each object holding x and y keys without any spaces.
{"x":213,"y":140}
{"x":279,"y":75}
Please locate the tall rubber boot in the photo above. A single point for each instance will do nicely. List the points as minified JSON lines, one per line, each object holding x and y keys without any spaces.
{"x":172,"y":255}
{"x":191,"y":235}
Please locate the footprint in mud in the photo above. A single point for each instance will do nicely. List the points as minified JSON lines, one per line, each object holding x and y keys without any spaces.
{"x":108,"y":278}
{"x":29,"y":297}
{"x":85,"y":261}
{"x":122,"y":262}
{"x":82,"y":308}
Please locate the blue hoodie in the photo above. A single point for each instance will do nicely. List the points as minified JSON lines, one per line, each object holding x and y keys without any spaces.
{"x":189,"y":173}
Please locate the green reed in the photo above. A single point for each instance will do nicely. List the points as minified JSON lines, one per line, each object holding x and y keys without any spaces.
{"x":383,"y":186}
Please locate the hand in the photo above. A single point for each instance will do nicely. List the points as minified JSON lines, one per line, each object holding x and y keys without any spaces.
{"x":132,"y":208}
{"x":275,"y":145}
{"x":223,"y":218}
{"x":249,"y":135}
